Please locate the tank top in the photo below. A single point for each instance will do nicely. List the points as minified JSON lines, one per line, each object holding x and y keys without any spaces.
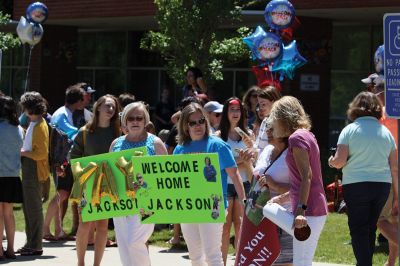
{"x":123,"y":144}
{"x":234,"y":144}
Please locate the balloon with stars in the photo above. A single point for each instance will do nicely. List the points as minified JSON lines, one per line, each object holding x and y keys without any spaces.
{"x":290,"y":61}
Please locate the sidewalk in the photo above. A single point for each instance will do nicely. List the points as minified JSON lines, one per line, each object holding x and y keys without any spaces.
{"x":64,"y":253}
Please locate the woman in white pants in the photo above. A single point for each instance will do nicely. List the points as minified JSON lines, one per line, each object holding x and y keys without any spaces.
{"x":307,"y":195}
{"x":204,"y":240}
{"x":130,"y":233}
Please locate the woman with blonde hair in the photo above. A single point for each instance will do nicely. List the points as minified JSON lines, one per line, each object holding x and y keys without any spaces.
{"x":131,"y":234}
{"x":204,"y":240}
{"x":367,"y":152}
{"x":266,"y":97}
{"x":307,"y":196}
{"x":95,"y":138}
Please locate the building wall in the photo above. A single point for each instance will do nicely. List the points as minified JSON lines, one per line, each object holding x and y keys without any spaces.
{"x":317,"y":4}
{"x":57,"y":69}
{"x":315,"y":46}
{"x":61,"y":9}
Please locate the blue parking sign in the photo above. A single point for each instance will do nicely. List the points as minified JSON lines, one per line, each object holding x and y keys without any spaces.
{"x":391,"y":31}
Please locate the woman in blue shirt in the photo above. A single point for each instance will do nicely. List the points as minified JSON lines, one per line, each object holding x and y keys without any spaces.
{"x":204,"y":240}
{"x":10,"y":167}
{"x":367,"y":152}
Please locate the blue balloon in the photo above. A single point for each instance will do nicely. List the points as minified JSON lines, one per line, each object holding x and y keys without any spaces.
{"x":265,"y":46}
{"x":37,"y":33}
{"x":279,"y":14}
{"x":37,"y":12}
{"x":378,"y":59}
{"x":291,"y":60}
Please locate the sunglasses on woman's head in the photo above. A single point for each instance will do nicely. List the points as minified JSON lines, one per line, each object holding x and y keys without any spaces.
{"x":135,"y":118}
{"x":201,"y":121}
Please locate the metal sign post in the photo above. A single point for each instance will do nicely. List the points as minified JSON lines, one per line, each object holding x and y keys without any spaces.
{"x":391,"y":33}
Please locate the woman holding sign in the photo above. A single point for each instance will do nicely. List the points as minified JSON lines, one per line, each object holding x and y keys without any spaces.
{"x":131,"y":234}
{"x":273,"y":173}
{"x":95,"y":138}
{"x":204,"y":240}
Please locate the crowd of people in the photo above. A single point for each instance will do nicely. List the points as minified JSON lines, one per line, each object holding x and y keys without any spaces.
{"x":264,"y":136}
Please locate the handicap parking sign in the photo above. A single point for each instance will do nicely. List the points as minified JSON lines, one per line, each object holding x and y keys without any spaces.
{"x":394,"y":37}
{"x":391,"y":32}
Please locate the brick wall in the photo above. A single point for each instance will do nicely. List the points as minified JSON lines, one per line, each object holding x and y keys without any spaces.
{"x":318,"y":4}
{"x":70,"y":9}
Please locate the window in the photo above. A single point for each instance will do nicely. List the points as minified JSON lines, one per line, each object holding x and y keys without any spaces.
{"x":14,"y":71}
{"x":353,"y":48}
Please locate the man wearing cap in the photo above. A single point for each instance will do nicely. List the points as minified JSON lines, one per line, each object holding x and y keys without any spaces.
{"x":82,"y":115}
{"x":68,"y":118}
{"x":214,"y":110}
{"x":369,"y":81}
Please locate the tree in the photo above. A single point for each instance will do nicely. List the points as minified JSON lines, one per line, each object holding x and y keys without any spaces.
{"x":7,"y":40}
{"x":191,"y":33}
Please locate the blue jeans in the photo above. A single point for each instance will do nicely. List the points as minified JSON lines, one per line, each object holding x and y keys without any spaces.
{"x":364,"y":201}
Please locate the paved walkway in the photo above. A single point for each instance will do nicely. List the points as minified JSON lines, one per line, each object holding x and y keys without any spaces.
{"x":64,"y":253}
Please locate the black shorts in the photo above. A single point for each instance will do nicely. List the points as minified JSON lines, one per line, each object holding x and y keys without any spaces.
{"x":11,"y":189}
{"x":65,"y":182}
{"x":231,"y":191}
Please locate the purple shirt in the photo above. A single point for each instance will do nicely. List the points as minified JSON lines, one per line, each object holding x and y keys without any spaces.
{"x":316,"y":203}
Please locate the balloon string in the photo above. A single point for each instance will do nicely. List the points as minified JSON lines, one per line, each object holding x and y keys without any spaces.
{"x":29,"y":67}
{"x":270,"y":73}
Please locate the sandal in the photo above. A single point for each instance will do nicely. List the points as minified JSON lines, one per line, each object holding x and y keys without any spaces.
{"x":20,"y":250}
{"x":65,"y":237}
{"x":10,"y":255}
{"x":31,"y":252}
{"x":50,"y":237}
{"x":173,"y":242}
{"x":111,"y":243}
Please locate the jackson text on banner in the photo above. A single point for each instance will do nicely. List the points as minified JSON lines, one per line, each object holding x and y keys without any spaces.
{"x":180,"y":188}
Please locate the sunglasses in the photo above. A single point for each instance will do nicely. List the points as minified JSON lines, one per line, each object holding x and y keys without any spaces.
{"x":254,"y":96}
{"x":201,"y":121}
{"x":135,"y":118}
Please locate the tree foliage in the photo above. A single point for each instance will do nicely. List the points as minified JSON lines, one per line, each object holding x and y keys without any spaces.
{"x":7,"y":40}
{"x":193,"y":33}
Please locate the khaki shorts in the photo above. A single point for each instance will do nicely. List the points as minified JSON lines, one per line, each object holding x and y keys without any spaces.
{"x":386,"y":213}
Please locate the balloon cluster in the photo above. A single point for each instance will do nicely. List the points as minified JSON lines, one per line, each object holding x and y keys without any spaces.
{"x":30,"y":29}
{"x":268,"y":47}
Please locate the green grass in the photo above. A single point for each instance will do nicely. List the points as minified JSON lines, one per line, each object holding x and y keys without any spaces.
{"x":333,"y":246}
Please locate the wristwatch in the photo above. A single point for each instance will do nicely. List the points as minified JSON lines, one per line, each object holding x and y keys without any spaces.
{"x":244,"y":202}
{"x":302,"y":206}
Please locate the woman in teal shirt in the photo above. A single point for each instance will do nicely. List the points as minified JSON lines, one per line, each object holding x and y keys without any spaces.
{"x":367,"y":152}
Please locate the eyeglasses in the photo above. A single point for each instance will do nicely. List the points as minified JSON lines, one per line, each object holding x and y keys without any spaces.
{"x":201,"y":121}
{"x":135,"y":118}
